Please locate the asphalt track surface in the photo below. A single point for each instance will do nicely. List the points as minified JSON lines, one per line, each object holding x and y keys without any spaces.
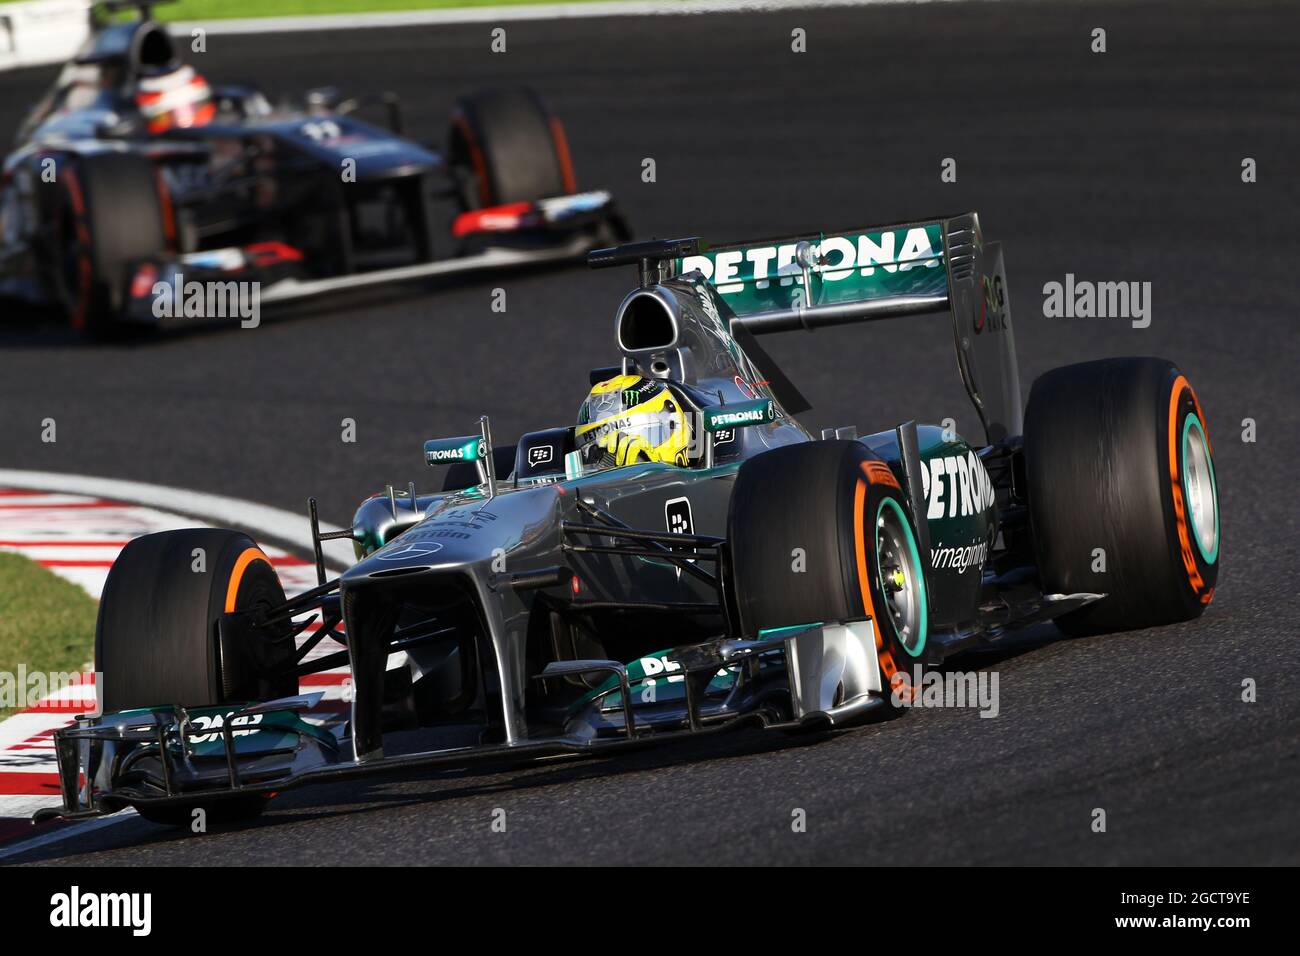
{"x":1122,"y":166}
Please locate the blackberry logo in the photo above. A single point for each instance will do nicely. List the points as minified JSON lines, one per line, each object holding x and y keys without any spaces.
{"x":677,"y":515}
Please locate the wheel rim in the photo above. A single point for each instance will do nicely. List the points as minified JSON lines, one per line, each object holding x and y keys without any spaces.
{"x":1200,"y":490}
{"x":901,"y":577}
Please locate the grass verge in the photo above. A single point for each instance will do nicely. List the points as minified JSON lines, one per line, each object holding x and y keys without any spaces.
{"x":47,"y":624}
{"x":227,"y":9}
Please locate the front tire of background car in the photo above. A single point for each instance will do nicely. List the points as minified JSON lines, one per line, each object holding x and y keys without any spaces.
{"x":157,"y":642}
{"x":508,"y":147}
{"x":1122,"y":494}
{"x":108,"y":214}
{"x":834,"y":510}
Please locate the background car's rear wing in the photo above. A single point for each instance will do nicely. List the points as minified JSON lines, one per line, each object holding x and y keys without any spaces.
{"x":881,"y":272}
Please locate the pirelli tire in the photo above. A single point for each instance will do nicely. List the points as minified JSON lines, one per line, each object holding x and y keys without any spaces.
{"x":509,"y":147}
{"x":108,"y":212}
{"x":1123,"y":498}
{"x":820,"y":531}
{"x":157,"y":641}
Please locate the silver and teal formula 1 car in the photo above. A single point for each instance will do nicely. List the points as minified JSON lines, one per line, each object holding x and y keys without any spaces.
{"x":688,"y":558}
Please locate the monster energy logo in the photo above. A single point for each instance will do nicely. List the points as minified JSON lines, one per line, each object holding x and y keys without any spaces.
{"x":631,"y":398}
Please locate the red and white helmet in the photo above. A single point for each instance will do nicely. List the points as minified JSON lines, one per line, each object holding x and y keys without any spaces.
{"x":174,"y":100}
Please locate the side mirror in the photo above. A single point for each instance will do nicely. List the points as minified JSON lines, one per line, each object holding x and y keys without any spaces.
{"x":323,"y":99}
{"x":475,"y":448}
{"x":740,"y":415}
{"x":114,"y":126}
{"x":450,"y":451}
{"x":718,"y":418}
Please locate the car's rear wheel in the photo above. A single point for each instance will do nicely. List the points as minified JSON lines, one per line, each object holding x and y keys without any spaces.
{"x":157,"y":641}
{"x":108,"y":214}
{"x":1123,"y":498}
{"x":820,"y":531}
{"x":508,"y":147}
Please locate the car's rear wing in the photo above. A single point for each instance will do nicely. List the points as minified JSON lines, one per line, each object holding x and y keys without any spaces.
{"x":859,"y":275}
{"x":794,"y":282}
{"x":881,"y":272}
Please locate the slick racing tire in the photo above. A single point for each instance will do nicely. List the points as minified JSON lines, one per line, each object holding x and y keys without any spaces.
{"x":108,"y":214}
{"x":839,"y":508}
{"x":156,"y":640}
{"x":1122,"y":493}
{"x":509,"y":148}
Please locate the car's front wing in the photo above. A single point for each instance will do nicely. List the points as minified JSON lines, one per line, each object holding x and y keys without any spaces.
{"x":832,"y":672}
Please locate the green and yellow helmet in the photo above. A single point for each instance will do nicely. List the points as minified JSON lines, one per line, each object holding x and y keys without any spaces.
{"x":629,"y":418}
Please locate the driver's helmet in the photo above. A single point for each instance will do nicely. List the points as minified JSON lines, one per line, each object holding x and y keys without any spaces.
{"x":174,"y":99}
{"x":627,"y":419}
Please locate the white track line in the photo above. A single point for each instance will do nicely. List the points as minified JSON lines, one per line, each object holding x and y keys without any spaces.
{"x":503,"y":14}
{"x":261,"y":521}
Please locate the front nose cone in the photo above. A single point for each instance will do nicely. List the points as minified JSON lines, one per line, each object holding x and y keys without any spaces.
{"x":397,"y":559}
{"x":415,"y":551}
{"x":466,"y":533}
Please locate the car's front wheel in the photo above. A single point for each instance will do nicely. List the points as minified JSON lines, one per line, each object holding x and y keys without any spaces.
{"x":107,"y":215}
{"x":821,"y":532}
{"x":157,"y":640}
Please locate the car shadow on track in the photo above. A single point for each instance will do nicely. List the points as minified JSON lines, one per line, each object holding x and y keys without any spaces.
{"x":360,"y":799}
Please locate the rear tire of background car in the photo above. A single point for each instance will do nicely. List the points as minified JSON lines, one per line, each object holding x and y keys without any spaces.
{"x":156,"y":640}
{"x":1120,"y":478}
{"x":109,"y":213}
{"x":835,"y":510}
{"x":509,"y":148}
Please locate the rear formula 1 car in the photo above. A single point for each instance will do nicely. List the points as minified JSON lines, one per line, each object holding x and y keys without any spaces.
{"x":135,"y":188}
{"x":688,"y":558}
